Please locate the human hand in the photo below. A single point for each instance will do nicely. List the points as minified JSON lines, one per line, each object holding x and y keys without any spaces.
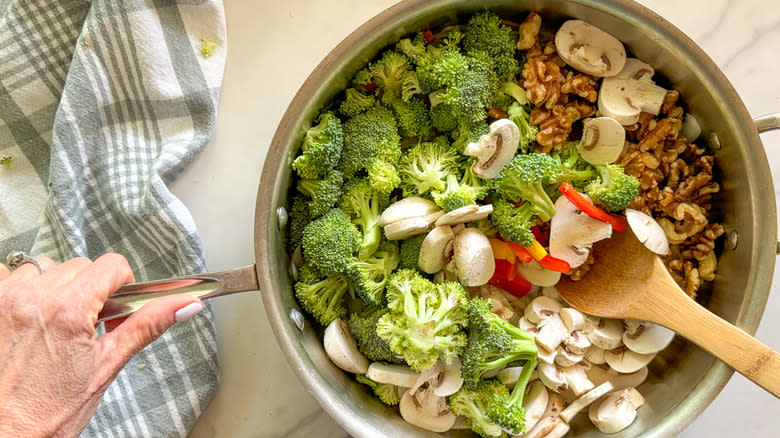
{"x":53,"y":371}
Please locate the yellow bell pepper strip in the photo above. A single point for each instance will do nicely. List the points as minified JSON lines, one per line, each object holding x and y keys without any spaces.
{"x":537,"y":251}
{"x":501,"y":250}
{"x":584,"y":205}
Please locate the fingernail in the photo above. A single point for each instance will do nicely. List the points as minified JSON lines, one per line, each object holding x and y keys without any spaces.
{"x":188,"y":311}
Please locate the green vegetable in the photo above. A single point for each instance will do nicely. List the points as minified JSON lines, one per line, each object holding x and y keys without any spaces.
{"x":523,"y":179}
{"x":323,"y":192}
{"x":394,"y":77}
{"x":514,"y":222}
{"x":364,"y":204}
{"x":614,"y":189}
{"x":299,"y":218}
{"x":356,"y":103}
{"x":321,"y":148}
{"x":576,"y":171}
{"x":456,"y":194}
{"x":414,"y":119}
{"x":492,"y":343}
{"x":323,"y":299}
{"x":368,"y":277}
{"x":410,"y":252}
{"x":329,"y":242}
{"x":443,"y":118}
{"x":474,"y":403}
{"x":486,"y":33}
{"x":372,"y":143}
{"x":362,"y":325}
{"x":425,"y":167}
{"x":425,"y":321}
{"x":467,"y":133}
{"x":387,"y":393}
{"x":528,"y":132}
{"x":412,"y":48}
{"x":207,"y":48}
{"x":508,"y":412}
{"x":7,"y":162}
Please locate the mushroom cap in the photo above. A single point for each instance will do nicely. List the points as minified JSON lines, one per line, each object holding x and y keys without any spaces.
{"x":589,"y":49}
{"x":599,"y":374}
{"x":626,"y":361}
{"x":435,"y":249}
{"x":572,"y":233}
{"x":473,"y":257}
{"x":541,"y":308}
{"x":648,"y":338}
{"x":595,"y":355}
{"x":551,"y":376}
{"x":572,"y":318}
{"x":577,"y":342}
{"x":467,"y":213}
{"x":616,"y":411}
{"x":341,"y":348}
{"x":632,"y":91}
{"x":537,"y":274}
{"x":398,"y":375}
{"x":551,"y":333}
{"x":586,"y":399}
{"x":535,"y":403}
{"x":494,"y":149}
{"x":426,"y":410}
{"x":577,"y":380}
{"x":566,"y":358}
{"x":648,"y":231}
{"x":406,"y":208}
{"x":608,"y":334}
{"x":603,"y":139}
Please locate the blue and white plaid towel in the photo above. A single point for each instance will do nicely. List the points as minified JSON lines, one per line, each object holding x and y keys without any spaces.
{"x":102,"y":104}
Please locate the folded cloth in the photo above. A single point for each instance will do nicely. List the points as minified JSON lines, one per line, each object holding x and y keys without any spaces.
{"x":102,"y":104}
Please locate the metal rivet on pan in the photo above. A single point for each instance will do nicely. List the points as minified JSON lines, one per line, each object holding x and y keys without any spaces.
{"x":281,"y":217}
{"x":297,"y":318}
{"x":732,"y":239}
{"x":712,"y":140}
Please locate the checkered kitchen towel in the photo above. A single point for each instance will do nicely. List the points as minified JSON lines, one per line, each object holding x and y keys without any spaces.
{"x":102,"y":103}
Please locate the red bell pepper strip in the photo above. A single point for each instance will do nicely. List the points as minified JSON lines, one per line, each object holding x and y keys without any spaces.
{"x":618,"y":223}
{"x":520,"y":252}
{"x":428,"y":36}
{"x":555,"y":264}
{"x":504,"y":270}
{"x":518,"y":286}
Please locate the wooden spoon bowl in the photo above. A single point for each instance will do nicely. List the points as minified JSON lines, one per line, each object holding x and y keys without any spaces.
{"x":629,"y":281}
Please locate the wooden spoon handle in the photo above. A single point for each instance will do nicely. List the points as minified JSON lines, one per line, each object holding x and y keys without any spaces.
{"x":744,"y":353}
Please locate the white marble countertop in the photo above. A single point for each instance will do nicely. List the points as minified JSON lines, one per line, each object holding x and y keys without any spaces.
{"x":273,"y":46}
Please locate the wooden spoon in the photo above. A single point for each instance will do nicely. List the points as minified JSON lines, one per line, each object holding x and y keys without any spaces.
{"x":629,"y":281}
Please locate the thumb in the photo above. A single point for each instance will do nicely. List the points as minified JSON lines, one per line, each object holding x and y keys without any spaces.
{"x":143,"y":327}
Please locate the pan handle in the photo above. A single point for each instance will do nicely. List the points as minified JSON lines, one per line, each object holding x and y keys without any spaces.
{"x":129,"y":298}
{"x":768,"y":122}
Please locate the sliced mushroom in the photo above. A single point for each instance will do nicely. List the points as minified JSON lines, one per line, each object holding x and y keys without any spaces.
{"x":586,"y":399}
{"x":459,"y":227}
{"x":398,"y":375}
{"x":436,"y":249}
{"x":626,"y":361}
{"x":467,"y":213}
{"x":494,"y":149}
{"x":572,"y":318}
{"x":540,"y":309}
{"x":577,"y":342}
{"x":407,"y":208}
{"x":648,"y":231}
{"x":537,"y":274}
{"x":551,"y":376}
{"x":552,"y":333}
{"x":407,"y":228}
{"x":591,"y":322}
{"x":577,"y":380}
{"x":616,"y":411}
{"x":473,"y":257}
{"x":629,"y":93}
{"x":535,"y":403}
{"x":608,"y":334}
{"x":595,"y":355}
{"x":547,"y":356}
{"x":572,"y":232}
{"x":602,"y":141}
{"x":549,"y":420}
{"x":589,"y":49}
{"x":647,"y":338}
{"x":527,"y":325}
{"x":342,"y":349}
{"x":449,"y":381}
{"x":566,"y":358}
{"x":599,"y":374}
{"x":426,"y":410}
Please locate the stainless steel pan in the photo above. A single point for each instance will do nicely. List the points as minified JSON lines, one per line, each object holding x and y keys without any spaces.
{"x":683,"y":379}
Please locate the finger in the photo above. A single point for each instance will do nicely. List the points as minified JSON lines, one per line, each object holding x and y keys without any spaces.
{"x":58,"y":276}
{"x":143,"y":327}
{"x":28,"y":271}
{"x":4,"y":272}
{"x":111,"y":324}
{"x":100,"y":279}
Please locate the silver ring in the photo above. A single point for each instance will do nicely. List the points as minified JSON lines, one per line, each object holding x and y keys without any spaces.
{"x":17,"y":258}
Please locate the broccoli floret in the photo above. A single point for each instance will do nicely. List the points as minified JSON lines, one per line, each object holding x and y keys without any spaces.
{"x":487,"y":227}
{"x":425,"y":167}
{"x":492,"y":343}
{"x":362,"y":77}
{"x":299,"y":218}
{"x":309,"y":274}
{"x":323,"y":192}
{"x":486,"y":33}
{"x":364,"y":204}
{"x":372,"y":143}
{"x":410,"y":252}
{"x":509,"y":92}
{"x":468,"y":133}
{"x":425,"y":321}
{"x":368,"y":277}
{"x":394,"y":77}
{"x":523,"y":179}
{"x":469,"y":96}
{"x":356,"y":103}
{"x":413,"y":48}
{"x":330,"y":241}
{"x":414,"y":118}
{"x":474,"y":403}
{"x":508,"y":411}
{"x":614,"y":189}
{"x":321,"y":148}
{"x":443,"y":117}
{"x":528,"y":132}
{"x":512,"y":222}
{"x":576,"y":171}
{"x":456,"y":195}
{"x":323,"y":300}
{"x":387,"y":393}
{"x":362,"y":325}
{"x":442,"y":70}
